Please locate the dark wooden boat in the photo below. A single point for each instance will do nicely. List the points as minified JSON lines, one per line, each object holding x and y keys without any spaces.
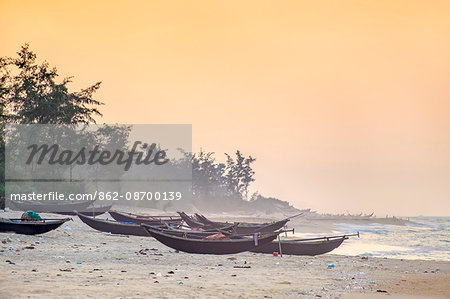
{"x":47,"y":207}
{"x":311,"y":247}
{"x":193,"y":222}
{"x":139,"y":219}
{"x":209,"y":246}
{"x":91,"y":211}
{"x":113,"y":227}
{"x":243,"y":228}
{"x":266,"y":228}
{"x":191,"y":233}
{"x":25,"y":227}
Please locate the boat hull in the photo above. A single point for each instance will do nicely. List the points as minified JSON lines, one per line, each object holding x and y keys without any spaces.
{"x":123,"y":217}
{"x":205,"y":246}
{"x":242,"y":228}
{"x":310,"y":248}
{"x":113,"y":227}
{"x":266,"y":228}
{"x":30,"y":227}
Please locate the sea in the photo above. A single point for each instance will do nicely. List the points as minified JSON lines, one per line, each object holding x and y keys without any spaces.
{"x":426,"y":238}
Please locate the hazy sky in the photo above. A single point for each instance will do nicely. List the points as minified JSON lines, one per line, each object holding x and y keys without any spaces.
{"x":345,"y":104}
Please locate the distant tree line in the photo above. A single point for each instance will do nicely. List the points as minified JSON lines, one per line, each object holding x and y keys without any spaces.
{"x":213,"y":180}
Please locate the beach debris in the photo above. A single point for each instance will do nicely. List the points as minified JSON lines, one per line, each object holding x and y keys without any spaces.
{"x":170,"y":272}
{"x":123,"y":271}
{"x":66,"y":270}
{"x":68,"y":228}
{"x":242,"y":267}
{"x":159,"y":274}
{"x":152,"y":273}
{"x":106,"y":233}
{"x":11,"y":263}
{"x":6,"y":240}
{"x":156,"y":281}
{"x":373,"y":282}
{"x":180,"y":282}
{"x":233,"y":275}
{"x":79,"y":263}
{"x":34,"y":270}
{"x":330,"y":266}
{"x":275,"y":253}
{"x":29,"y":247}
{"x":381,"y":291}
{"x":364,"y":257}
{"x":231,"y":258}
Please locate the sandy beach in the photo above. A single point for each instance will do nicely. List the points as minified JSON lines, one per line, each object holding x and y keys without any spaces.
{"x":77,"y":261}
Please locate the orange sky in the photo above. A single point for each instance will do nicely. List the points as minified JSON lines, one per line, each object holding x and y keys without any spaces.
{"x":345,"y":104}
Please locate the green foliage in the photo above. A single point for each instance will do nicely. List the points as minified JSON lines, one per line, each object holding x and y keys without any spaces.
{"x":239,"y":174}
{"x":218,"y":184}
{"x":30,"y":94}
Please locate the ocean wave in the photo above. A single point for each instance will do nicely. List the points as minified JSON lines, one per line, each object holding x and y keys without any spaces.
{"x":428,"y":239}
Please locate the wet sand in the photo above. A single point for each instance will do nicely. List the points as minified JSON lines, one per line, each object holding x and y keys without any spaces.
{"x":83,"y":263}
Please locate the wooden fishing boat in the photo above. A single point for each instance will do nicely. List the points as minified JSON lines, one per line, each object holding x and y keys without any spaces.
{"x":211,"y":246}
{"x":91,"y":211}
{"x":265,"y":228}
{"x":113,"y":227}
{"x":190,"y":221}
{"x":27,"y":227}
{"x":50,"y":207}
{"x":201,"y":221}
{"x":139,"y":219}
{"x":192,"y":233}
{"x":311,"y":247}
